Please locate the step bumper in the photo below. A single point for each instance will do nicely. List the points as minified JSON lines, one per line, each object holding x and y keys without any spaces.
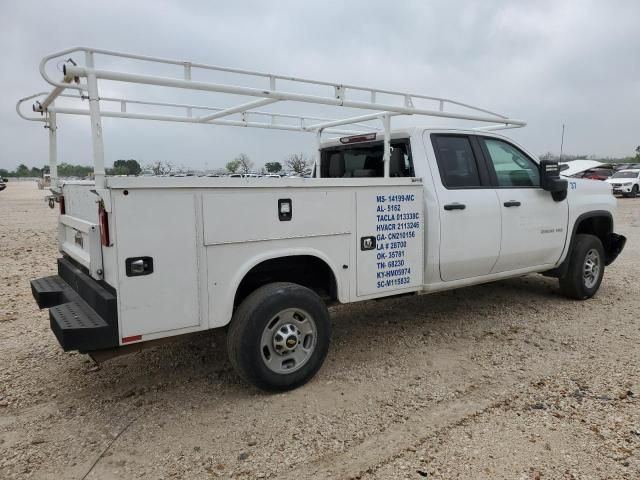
{"x":82,"y":313}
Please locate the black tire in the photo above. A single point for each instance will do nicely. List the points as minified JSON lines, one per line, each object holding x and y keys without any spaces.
{"x":576,"y":284}
{"x":250,"y":322}
{"x":634,"y":191}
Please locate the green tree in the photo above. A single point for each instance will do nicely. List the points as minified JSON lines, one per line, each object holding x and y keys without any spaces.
{"x":68,"y":170}
{"x":638,"y":153}
{"x":127,"y":167}
{"x":233,"y":166}
{"x":4,"y":173}
{"x":22,"y":170}
{"x":273,"y":167}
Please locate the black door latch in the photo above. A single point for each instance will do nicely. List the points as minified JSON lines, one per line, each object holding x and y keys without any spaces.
{"x":367,"y":243}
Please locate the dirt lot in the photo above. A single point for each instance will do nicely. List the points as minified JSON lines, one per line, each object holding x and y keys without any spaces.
{"x":507,"y":380}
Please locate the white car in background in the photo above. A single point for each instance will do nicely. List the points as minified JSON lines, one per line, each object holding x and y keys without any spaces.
{"x":625,"y":182}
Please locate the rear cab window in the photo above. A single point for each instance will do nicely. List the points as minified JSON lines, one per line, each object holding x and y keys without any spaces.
{"x":366,"y":160}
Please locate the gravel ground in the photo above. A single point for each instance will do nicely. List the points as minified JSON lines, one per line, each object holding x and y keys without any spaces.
{"x":507,"y":380}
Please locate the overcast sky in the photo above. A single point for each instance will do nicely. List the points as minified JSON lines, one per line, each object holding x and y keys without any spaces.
{"x":546,"y":62}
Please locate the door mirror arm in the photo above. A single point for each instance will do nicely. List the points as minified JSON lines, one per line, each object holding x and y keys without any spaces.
{"x":551,"y":181}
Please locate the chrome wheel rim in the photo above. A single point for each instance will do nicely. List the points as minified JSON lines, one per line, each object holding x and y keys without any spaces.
{"x":591,"y":268}
{"x":288,"y":341}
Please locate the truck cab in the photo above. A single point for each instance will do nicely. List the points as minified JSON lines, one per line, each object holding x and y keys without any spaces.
{"x":487,"y":212}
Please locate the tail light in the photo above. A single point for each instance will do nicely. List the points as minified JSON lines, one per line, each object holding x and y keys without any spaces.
{"x":104,"y":225}
{"x":63,"y":210}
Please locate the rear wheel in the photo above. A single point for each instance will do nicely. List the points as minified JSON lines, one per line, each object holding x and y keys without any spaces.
{"x":586,"y":268}
{"x":279,"y":336}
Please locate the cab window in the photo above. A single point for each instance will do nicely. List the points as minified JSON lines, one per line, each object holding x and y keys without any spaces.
{"x":457,"y":162}
{"x":513,"y":168}
{"x":366,"y":160}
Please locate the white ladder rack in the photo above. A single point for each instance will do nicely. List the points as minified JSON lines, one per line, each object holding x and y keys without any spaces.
{"x":85,"y":80}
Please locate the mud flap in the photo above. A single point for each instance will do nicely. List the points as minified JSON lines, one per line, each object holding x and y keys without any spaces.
{"x":613,"y":245}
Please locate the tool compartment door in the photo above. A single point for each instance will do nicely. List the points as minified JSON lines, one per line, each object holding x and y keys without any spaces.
{"x":390,"y":246}
{"x":162,"y":227}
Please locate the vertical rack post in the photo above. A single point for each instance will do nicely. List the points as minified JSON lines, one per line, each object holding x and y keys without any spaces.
{"x":53,"y":149}
{"x":318,"y":155}
{"x":386,"y":122}
{"x":96,"y":123}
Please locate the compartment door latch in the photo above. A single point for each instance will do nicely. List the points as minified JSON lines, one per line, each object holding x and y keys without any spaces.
{"x":136,"y":266}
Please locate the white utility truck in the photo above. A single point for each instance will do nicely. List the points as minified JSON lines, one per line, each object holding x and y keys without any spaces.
{"x":387,"y":212}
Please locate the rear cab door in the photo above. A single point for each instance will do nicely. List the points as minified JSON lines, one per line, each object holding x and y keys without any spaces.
{"x":469,"y":213}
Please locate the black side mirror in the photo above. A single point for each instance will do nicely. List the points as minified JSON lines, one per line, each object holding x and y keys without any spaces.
{"x":550,"y":180}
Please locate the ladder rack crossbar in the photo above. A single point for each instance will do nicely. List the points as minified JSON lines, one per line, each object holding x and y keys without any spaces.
{"x":125,"y":102}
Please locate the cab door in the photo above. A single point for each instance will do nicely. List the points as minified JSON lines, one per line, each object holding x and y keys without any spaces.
{"x":533,"y":223}
{"x":470,"y":226}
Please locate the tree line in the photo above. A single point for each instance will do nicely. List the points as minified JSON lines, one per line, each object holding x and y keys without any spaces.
{"x":120,"y":167}
{"x":296,"y":163}
{"x":570,"y":157}
{"x":64,"y":170}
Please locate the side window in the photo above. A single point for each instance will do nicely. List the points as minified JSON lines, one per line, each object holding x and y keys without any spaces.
{"x":513,"y":168}
{"x":456,"y":162}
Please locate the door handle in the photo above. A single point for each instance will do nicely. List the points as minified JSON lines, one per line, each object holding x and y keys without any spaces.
{"x":512,"y":203}
{"x":455,"y":206}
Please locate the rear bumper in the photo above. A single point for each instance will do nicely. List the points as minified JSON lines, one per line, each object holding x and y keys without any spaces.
{"x":82,"y":312}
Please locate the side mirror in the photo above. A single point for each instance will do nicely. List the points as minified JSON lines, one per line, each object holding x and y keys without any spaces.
{"x":550,"y":180}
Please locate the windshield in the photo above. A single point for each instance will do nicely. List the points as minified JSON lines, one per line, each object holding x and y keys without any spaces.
{"x":625,"y":175}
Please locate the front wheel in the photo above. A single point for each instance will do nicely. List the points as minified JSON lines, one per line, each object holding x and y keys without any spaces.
{"x":279,"y":336}
{"x":634,"y":191}
{"x":586,"y":268}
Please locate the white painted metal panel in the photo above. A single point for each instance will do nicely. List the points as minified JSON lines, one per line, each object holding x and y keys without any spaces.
{"x":394,"y":217}
{"x":534,"y":232}
{"x":469,"y":238}
{"x":227,"y":264}
{"x":162,"y":227}
{"x":244,"y":216}
{"x":80,"y":202}
{"x":80,"y":239}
